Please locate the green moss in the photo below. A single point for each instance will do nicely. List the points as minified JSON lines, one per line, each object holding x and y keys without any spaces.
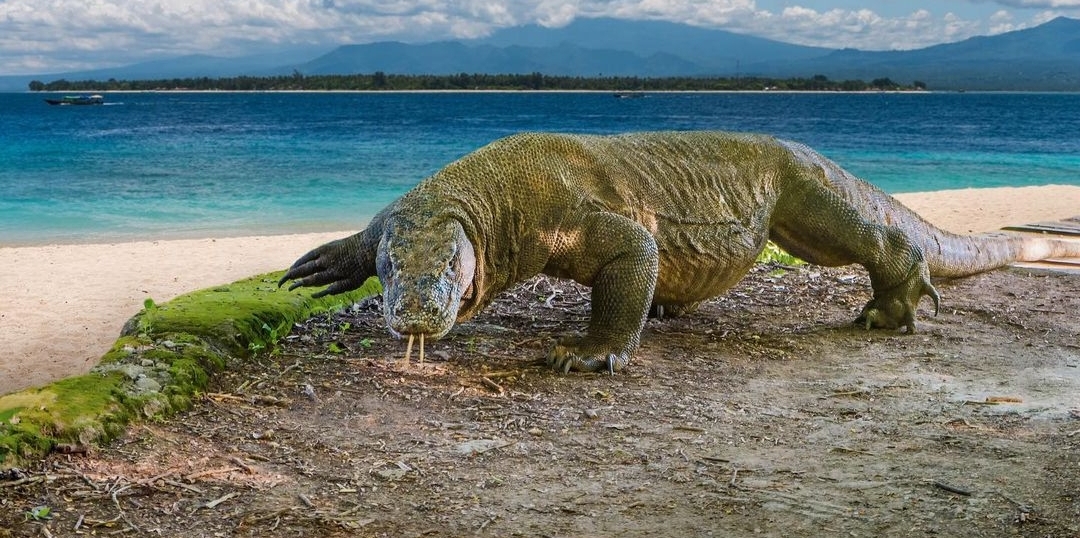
{"x":77,"y":409}
{"x":187,"y":373}
{"x":86,"y":391}
{"x":243,"y":315}
{"x":167,"y":353}
{"x":7,"y":414}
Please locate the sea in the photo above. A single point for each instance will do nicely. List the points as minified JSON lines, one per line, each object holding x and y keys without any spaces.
{"x":162,"y":165}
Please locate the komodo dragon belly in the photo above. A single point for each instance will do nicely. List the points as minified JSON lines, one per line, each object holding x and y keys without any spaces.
{"x":702,"y":261}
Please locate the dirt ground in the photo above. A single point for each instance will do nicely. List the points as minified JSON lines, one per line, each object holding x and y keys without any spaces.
{"x":765,"y":413}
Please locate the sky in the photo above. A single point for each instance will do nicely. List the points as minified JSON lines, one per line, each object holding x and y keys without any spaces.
{"x":53,"y":36}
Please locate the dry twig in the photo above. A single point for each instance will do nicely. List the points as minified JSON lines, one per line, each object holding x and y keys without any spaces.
{"x":492,"y":385}
{"x":214,"y":503}
{"x":23,"y":481}
{"x":256,"y":399}
{"x":951,"y":489}
{"x":191,"y":477}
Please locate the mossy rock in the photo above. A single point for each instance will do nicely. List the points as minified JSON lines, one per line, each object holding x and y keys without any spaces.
{"x":166,"y":353}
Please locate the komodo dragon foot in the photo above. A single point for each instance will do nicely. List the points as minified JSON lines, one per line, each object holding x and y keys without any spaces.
{"x":894,"y":307}
{"x":580,"y":354}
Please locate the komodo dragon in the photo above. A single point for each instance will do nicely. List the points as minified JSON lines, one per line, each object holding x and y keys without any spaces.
{"x":664,"y":219}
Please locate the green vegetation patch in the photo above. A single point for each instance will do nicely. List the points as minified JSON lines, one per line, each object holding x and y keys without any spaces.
{"x":380,"y":81}
{"x":774,"y":254}
{"x":166,"y":354}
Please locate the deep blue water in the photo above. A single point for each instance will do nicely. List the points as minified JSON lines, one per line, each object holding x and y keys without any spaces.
{"x":157,"y":165}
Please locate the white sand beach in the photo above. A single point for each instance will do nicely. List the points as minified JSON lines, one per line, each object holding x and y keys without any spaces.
{"x":62,"y":306}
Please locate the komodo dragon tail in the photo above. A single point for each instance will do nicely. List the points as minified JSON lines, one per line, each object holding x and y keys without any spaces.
{"x":953,"y":255}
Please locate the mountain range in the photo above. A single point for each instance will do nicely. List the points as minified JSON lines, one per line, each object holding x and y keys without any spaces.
{"x":1043,"y":58}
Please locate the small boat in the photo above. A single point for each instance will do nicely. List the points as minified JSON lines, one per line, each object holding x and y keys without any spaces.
{"x":78,"y":100}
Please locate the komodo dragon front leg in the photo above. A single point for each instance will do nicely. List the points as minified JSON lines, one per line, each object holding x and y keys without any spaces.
{"x":343,"y":264}
{"x":814,"y":223}
{"x":619,"y":259}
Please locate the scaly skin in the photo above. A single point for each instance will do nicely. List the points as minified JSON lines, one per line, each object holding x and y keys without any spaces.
{"x":645,"y":219}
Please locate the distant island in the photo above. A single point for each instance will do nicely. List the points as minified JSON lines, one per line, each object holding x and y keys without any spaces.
{"x":380,"y":81}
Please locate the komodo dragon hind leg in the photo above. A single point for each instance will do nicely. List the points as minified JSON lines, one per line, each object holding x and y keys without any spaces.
{"x":618,"y":258}
{"x":816,"y":224}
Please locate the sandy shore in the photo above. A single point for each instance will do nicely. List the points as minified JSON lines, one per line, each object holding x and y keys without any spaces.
{"x":62,"y":306}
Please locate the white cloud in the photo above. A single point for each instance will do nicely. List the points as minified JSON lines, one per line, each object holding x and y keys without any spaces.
{"x":34,"y":35}
{"x":699,"y":12}
{"x":865,"y":29}
{"x":555,"y":13}
{"x":60,"y":35}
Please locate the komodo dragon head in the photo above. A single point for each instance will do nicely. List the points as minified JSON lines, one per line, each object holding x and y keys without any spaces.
{"x":426,"y":269}
{"x":426,"y":263}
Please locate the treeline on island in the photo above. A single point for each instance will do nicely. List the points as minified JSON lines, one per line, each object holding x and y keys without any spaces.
{"x":380,"y":81}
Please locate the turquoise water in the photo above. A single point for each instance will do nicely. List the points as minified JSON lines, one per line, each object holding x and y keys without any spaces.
{"x":162,"y":165}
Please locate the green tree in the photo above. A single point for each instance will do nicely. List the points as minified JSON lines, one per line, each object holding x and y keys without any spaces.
{"x":536,"y":81}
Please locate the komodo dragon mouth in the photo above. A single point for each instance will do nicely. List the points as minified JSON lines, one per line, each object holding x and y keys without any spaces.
{"x":426,"y":269}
